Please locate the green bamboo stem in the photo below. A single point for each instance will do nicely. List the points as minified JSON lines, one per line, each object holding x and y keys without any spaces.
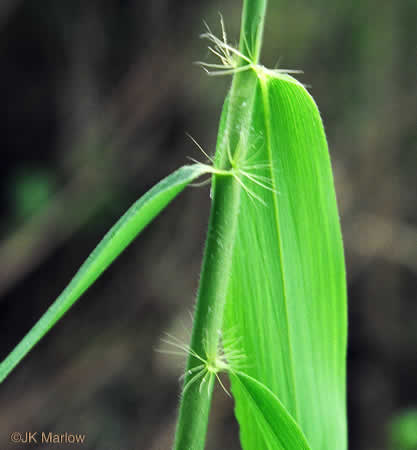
{"x":196,"y":398}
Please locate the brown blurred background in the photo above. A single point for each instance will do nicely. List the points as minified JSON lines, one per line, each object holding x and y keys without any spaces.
{"x":96,"y":98}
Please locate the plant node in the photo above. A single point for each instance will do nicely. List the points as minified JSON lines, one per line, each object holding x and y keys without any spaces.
{"x":224,"y":359}
{"x":245,"y":173}
{"x":233,"y":61}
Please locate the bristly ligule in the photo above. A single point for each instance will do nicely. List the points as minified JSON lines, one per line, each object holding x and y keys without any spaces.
{"x":244,"y":173}
{"x":227,"y":358}
{"x":233,"y":61}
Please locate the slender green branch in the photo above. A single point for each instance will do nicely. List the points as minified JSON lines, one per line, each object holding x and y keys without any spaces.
{"x":234,"y":129}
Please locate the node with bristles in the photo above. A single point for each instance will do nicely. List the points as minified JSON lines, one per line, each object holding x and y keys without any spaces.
{"x":233,"y":61}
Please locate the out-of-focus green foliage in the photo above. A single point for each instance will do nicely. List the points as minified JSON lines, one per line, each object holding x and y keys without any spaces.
{"x":403,"y":430}
{"x":30,"y":190}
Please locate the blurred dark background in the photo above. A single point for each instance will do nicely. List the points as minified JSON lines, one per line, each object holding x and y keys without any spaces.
{"x":96,"y":98}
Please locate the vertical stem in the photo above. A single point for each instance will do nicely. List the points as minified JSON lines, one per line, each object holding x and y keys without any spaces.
{"x":251,"y":30}
{"x":196,"y":397}
{"x":244,"y":83}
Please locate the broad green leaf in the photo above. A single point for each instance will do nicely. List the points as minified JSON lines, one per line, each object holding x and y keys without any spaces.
{"x":286,"y":301}
{"x":277,"y":429}
{"x":114,"y":242}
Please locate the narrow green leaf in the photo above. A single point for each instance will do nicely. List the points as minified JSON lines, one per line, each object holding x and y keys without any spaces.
{"x":278,"y":430}
{"x":140,"y":214}
{"x":286,"y":302}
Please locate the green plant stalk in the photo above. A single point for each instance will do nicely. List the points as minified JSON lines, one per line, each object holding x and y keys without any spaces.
{"x":195,"y":401}
{"x":251,"y":31}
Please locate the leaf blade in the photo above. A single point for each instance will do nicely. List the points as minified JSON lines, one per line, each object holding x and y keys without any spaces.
{"x":137,"y":217}
{"x":280,"y":431}
{"x":288,"y":267}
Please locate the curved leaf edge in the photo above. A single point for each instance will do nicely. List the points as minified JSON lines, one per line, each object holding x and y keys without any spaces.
{"x":271,"y":413}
